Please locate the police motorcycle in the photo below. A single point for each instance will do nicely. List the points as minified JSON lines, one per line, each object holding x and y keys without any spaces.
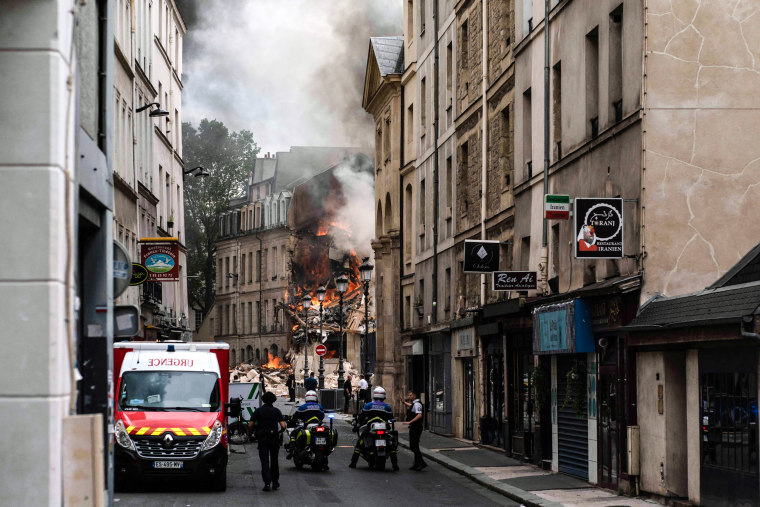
{"x":311,"y":440}
{"x":376,"y":432}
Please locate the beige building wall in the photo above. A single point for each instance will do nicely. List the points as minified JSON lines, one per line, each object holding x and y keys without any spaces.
{"x":701,"y":178}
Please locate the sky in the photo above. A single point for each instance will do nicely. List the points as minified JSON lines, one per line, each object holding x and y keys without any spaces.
{"x":290,"y":71}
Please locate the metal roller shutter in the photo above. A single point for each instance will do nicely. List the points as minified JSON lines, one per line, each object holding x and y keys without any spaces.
{"x":573,"y":431}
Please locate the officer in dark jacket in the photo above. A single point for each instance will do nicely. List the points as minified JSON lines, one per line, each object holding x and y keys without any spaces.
{"x":310,"y":383}
{"x":269,"y":423}
{"x":291,"y":385}
{"x":414,"y":421}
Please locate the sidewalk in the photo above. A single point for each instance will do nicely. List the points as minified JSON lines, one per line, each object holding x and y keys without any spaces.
{"x":524,"y":483}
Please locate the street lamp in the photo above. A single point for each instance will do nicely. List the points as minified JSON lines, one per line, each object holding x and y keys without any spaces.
{"x":341,"y":285}
{"x":306,"y":301}
{"x":200,"y":174}
{"x":365,"y":271}
{"x":321,"y":291}
{"x":156,"y":112}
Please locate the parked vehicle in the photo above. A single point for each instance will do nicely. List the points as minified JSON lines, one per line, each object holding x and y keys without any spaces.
{"x":170,"y":412}
{"x":379,"y":438}
{"x":313,"y":442}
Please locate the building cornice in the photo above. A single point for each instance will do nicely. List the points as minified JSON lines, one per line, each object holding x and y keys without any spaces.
{"x":145,"y":192}
{"x":122,"y":59}
{"x":163,"y":137}
{"x":123,"y":185}
{"x":144,"y":78}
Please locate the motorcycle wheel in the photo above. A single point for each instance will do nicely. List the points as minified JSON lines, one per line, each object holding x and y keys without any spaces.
{"x":238,"y":433}
{"x":380,"y":463}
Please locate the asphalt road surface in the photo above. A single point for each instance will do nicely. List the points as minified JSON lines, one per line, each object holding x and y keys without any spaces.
{"x":340,"y":485}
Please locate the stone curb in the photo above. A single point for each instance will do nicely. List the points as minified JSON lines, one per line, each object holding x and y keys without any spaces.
{"x":516,"y":494}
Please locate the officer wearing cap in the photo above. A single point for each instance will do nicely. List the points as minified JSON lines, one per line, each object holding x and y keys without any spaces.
{"x":269,"y":424}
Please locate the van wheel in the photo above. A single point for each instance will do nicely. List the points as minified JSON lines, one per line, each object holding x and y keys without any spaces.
{"x":220,"y":480}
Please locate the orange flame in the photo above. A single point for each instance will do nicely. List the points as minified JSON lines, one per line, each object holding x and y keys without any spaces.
{"x":274,"y":361}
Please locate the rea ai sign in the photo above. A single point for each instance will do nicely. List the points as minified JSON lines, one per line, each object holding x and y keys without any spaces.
{"x":515,"y":280}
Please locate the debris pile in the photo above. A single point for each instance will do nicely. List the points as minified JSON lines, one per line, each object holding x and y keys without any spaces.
{"x":275,"y":378}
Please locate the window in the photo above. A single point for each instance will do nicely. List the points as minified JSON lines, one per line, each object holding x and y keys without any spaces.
{"x":592,"y":82}
{"x":258,"y":266}
{"x":265,"y":267}
{"x":242,"y":269}
{"x":410,"y":124}
{"x":250,"y":267}
{"x":410,"y":19}
{"x":527,"y":15}
{"x":527,"y":134}
{"x":449,"y":65}
{"x":387,"y":140}
{"x":422,"y":16}
{"x":258,"y":316}
{"x":557,"y":108}
{"x":421,"y":210}
{"x":525,"y":253}
{"x":226,"y":270}
{"x":408,"y":212}
{"x":616,"y":65}
{"x":555,"y":250}
{"x":423,"y":106}
{"x":266,"y":314}
{"x":379,"y":146}
{"x":463,"y":49}
{"x":274,"y":262}
{"x":447,"y":293}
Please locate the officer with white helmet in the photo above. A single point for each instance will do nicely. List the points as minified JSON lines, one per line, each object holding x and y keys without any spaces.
{"x":376,"y":409}
{"x":309,"y":412}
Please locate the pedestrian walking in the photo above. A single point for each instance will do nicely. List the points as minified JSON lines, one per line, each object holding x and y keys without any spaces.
{"x":269,"y":422}
{"x":310,"y":383}
{"x":291,"y":385}
{"x":346,"y":393}
{"x":414,"y":421}
{"x":363,"y":388}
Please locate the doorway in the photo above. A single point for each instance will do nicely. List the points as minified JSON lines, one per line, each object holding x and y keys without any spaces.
{"x":611,"y":403}
{"x":468,"y":392}
{"x":728,"y":424}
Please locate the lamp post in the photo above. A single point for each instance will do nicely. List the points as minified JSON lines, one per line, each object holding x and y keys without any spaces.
{"x":321,"y":291}
{"x":365,"y":271}
{"x":306,"y":301}
{"x":341,"y":284}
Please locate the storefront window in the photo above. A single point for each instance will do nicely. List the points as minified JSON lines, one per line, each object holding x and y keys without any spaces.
{"x":437,"y":376}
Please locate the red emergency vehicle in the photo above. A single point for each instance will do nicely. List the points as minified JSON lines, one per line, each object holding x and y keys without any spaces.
{"x":170,"y":412}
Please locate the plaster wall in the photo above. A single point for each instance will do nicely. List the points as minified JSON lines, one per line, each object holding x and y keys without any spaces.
{"x":701,"y":181}
{"x":37,"y":166}
{"x":693,"y":434}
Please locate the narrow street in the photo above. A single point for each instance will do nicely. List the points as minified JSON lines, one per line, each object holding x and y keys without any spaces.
{"x":340,"y":485}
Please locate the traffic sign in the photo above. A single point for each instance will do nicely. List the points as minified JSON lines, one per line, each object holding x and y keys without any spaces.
{"x":557,"y":207}
{"x":320,"y":349}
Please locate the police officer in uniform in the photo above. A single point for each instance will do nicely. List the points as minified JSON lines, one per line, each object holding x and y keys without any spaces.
{"x":414,"y":421}
{"x":376,"y":409}
{"x":269,"y":423}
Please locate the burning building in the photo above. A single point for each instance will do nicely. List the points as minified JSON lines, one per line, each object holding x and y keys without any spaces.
{"x":287,"y":235}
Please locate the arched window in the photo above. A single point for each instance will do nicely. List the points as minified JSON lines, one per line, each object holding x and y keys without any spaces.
{"x":242,"y":355}
{"x":249,"y":351}
{"x":273,"y":348}
{"x":233,"y":362}
{"x":266,"y":352}
{"x":388,"y":221}
{"x":258,"y":352}
{"x":379,"y":220}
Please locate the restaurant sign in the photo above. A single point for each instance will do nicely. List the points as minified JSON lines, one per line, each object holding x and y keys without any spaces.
{"x":161,"y":260}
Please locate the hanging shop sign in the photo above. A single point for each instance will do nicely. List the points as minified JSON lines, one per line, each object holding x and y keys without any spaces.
{"x":515,"y":280}
{"x":598,"y":228}
{"x":139,"y":274}
{"x":481,"y":256}
{"x":465,"y":341}
{"x":556,"y":207}
{"x":161,"y":260}
{"x":563,"y":328}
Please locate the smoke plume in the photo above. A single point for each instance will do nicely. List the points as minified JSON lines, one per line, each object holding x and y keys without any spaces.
{"x":290,"y":71}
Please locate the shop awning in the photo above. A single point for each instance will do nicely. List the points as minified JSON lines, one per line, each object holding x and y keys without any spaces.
{"x":710,"y":306}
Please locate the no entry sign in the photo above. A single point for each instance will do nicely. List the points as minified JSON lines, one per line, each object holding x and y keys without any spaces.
{"x":321,"y":350}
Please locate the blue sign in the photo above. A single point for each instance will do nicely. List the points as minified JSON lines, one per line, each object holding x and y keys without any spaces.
{"x":563,"y":328}
{"x":553,"y":329}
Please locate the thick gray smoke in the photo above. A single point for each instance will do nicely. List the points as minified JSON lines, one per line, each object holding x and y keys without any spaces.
{"x":290,"y":71}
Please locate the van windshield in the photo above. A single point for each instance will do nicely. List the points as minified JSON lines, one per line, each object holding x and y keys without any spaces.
{"x":189,"y":391}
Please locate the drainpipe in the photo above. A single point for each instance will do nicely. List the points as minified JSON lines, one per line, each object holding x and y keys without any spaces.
{"x":748,"y":334}
{"x":484,"y":142}
{"x":544,"y":266}
{"x":261,"y":280}
{"x":435,"y":163}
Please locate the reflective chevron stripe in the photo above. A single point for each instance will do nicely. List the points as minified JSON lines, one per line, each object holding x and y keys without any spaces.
{"x":178,"y":431}
{"x":206,"y":428}
{"x":182,"y":432}
{"x":158,"y":431}
{"x":193,"y":431}
{"x":142,"y":431}
{"x":129,"y":429}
